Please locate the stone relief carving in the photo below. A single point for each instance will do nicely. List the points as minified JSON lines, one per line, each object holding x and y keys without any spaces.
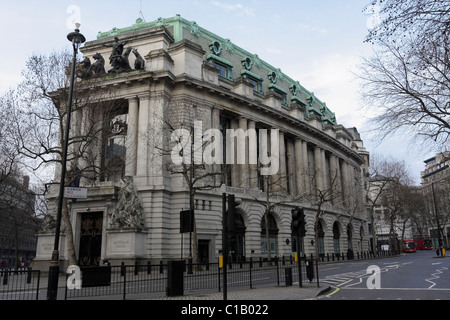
{"x":49,"y":223}
{"x":128,"y":212}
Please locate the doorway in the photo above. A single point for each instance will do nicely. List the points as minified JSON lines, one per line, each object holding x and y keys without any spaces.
{"x":91,"y":239}
{"x":203,"y":251}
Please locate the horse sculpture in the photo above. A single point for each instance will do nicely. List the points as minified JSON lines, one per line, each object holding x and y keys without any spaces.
{"x":139,"y":63}
{"x":98,"y":67}
{"x":84,"y":69}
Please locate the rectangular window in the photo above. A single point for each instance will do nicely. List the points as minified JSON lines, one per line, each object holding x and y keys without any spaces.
{"x":257,"y":86}
{"x":114,"y":150}
{"x":224,"y":71}
{"x":223,"y":66}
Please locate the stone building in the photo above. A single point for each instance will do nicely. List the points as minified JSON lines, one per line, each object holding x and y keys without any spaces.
{"x":183,"y":77}
{"x":18,"y":223}
{"x":435,"y":181}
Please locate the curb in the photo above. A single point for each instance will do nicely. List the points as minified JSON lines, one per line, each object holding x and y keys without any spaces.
{"x":323,"y":291}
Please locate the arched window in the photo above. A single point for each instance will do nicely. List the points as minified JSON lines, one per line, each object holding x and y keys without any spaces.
{"x":321,"y":243}
{"x":237,"y":238}
{"x":336,"y":236}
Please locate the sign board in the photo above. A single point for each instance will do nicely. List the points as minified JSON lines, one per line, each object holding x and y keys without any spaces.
{"x":186,"y":221}
{"x":75,"y":193}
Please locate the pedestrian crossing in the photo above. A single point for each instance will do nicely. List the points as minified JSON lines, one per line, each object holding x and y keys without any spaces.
{"x":342,"y":279}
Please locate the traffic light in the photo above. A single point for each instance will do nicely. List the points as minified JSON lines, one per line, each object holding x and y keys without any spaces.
{"x":232,"y":204}
{"x":298,"y":222}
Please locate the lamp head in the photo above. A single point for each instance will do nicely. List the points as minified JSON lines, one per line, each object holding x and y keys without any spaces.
{"x":76,"y":37}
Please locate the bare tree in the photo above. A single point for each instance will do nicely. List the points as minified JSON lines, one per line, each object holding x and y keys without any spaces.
{"x":40,"y":120}
{"x":320,"y":196}
{"x":178,"y":129}
{"x":406,"y":80}
{"x":272,"y":194}
{"x":390,"y":186}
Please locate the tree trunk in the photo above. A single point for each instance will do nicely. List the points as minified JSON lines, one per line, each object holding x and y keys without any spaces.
{"x":316,"y":229}
{"x":69,"y":234}
{"x":269,"y":255}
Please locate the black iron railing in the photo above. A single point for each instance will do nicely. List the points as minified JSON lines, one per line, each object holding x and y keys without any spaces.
{"x":22,"y":284}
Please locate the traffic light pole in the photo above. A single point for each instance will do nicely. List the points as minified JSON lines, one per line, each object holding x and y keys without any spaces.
{"x":299,"y":261}
{"x":298,"y":227}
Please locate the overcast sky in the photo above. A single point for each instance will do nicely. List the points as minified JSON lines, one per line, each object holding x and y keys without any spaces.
{"x":318,"y":43}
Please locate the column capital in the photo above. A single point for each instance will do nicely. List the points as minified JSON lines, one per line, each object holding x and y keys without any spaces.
{"x":144,"y":96}
{"x":132,"y":98}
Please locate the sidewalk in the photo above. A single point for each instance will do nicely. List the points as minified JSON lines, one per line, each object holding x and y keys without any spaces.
{"x":294,"y":292}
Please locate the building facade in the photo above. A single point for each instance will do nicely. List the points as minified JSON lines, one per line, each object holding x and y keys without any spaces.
{"x":249,"y":117}
{"x":435,"y":187}
{"x":18,"y":222}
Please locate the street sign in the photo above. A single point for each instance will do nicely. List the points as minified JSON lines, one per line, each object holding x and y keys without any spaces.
{"x":75,"y":193}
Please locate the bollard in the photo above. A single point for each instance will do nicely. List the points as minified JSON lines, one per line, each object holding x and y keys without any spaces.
{"x":288,"y":276}
{"x":175,"y":286}
{"x":310,"y":270}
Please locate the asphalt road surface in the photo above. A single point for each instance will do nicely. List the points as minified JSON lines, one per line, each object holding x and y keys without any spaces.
{"x":412,"y":276}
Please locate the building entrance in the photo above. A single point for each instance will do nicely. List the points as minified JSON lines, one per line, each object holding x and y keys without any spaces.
{"x":91,"y":238}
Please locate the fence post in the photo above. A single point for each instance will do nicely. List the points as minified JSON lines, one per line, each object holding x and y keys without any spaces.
{"x":251,"y":284}
{"x":124,"y":281}
{"x":29,"y":276}
{"x":218,"y":274}
{"x":278,"y":273}
{"x":317,"y":273}
{"x":122,"y":269}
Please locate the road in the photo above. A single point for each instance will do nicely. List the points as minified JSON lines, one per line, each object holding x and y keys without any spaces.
{"x":412,"y":276}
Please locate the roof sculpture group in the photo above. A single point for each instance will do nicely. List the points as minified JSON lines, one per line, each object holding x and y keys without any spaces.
{"x":118,"y":60}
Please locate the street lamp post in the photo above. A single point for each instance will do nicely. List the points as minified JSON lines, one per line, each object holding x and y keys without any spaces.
{"x":76,"y":38}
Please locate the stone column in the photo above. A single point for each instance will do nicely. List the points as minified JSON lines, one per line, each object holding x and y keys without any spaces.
{"x":290,"y":166}
{"x":235,"y":175}
{"x":282,"y":176}
{"x":215,"y":124}
{"x":132,"y":137}
{"x":318,"y":168}
{"x":345,"y":183}
{"x":335,"y":179}
{"x":306,"y":172}
{"x":253,"y":154}
{"x":144,"y":135}
{"x":299,"y":174}
{"x":242,"y":151}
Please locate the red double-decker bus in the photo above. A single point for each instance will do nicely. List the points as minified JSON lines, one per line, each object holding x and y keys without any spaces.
{"x":410,"y":245}
{"x":423,"y":243}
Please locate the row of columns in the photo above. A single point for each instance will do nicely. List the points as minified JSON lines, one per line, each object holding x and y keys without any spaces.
{"x":304,"y":168}
{"x":143,"y":136}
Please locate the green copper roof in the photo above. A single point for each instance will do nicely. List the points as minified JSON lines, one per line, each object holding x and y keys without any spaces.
{"x":178,"y":24}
